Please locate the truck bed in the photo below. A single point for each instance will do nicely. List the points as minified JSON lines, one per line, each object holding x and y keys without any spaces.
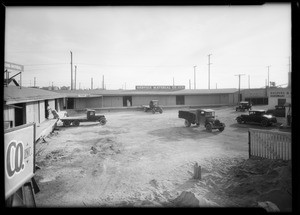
{"x":189,"y":115}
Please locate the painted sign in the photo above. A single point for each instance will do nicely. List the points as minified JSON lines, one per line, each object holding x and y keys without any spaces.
{"x":160,"y":87}
{"x":19,"y":157}
{"x":277,"y":94}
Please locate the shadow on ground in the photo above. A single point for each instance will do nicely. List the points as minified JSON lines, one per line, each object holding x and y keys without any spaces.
{"x":181,"y":133}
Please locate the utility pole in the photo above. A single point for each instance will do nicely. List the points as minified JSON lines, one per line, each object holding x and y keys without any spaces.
{"x":34,"y":81}
{"x":75,"y":77}
{"x":216,"y":85}
{"x":209,"y":70}
{"x":189,"y":83}
{"x":289,"y":64}
{"x":79,"y":86}
{"x":91,"y":83}
{"x":71,"y":71}
{"x":195,"y":77}
{"x":249,"y":81}
{"x":268,"y":77}
{"x":239,"y":85}
{"x":52,"y":86}
{"x":103,"y":82}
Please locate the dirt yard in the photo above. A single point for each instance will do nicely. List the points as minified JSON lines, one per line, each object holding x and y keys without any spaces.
{"x":142,"y":159}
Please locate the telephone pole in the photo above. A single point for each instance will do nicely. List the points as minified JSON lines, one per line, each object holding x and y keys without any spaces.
{"x":268,"y":77}
{"x":289,"y":64}
{"x":71,"y":71}
{"x":34,"y":82}
{"x":239,"y":85}
{"x":249,"y":81}
{"x":195,"y":77}
{"x":209,"y":70}
{"x":75,"y":77}
{"x":91,"y":83}
{"x":189,"y":83}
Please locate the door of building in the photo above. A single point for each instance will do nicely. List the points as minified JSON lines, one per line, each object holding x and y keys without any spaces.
{"x":127,"y":101}
{"x":281,"y":102}
{"x":179,"y":100}
{"x":20,"y":114}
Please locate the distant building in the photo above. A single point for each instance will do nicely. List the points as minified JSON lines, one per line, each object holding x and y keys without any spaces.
{"x":81,"y":99}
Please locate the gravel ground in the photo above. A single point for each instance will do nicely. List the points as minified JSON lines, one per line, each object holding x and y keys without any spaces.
{"x":142,"y":159}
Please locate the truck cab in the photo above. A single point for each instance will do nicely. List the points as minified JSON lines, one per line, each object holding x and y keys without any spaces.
{"x":91,"y":115}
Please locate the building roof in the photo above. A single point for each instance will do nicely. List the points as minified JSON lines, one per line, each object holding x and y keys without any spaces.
{"x":15,"y":94}
{"x":90,"y":93}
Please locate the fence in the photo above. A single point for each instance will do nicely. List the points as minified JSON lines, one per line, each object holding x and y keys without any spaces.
{"x":270,"y":144}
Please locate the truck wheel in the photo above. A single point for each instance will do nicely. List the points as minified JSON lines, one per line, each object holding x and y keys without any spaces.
{"x":160,"y":110}
{"x":236,"y":109}
{"x":76,"y":123}
{"x":102,"y":121}
{"x":187,"y":123}
{"x":264,"y":123}
{"x":208,"y":127}
{"x":239,"y":120}
{"x":145,"y":109}
{"x":221,"y":129}
{"x":66,"y":123}
{"x":153,"y":111}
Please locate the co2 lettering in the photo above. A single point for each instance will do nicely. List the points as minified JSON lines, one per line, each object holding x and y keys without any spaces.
{"x":14,"y":158}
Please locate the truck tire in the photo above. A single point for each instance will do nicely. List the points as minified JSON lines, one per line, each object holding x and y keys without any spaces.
{"x":160,"y":110}
{"x":187,"y":123}
{"x":76,"y":123}
{"x":208,"y":127}
{"x":264,"y":123}
{"x":153,"y":111}
{"x":102,"y":121}
{"x":239,"y":120}
{"x":221,"y":129}
{"x":66,"y":123}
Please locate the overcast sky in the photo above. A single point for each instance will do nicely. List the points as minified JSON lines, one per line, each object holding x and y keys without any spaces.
{"x":151,"y":45}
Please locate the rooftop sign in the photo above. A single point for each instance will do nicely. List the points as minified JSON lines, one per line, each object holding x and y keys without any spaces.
{"x":160,"y":87}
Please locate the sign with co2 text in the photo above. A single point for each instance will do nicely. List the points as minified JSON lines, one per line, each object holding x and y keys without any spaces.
{"x":19,"y":155}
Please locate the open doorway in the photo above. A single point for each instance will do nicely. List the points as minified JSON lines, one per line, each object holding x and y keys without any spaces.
{"x":20,"y":114}
{"x":179,"y":100}
{"x":127,"y":101}
{"x":70,"y":103}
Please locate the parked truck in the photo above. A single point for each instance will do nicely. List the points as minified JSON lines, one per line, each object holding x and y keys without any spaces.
{"x":90,"y":117}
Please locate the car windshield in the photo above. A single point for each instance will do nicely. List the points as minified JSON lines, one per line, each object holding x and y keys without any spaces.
{"x":210,"y":114}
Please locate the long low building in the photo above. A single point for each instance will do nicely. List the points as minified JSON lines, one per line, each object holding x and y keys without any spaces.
{"x":81,"y":99}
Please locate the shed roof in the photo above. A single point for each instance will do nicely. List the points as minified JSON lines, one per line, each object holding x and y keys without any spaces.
{"x":75,"y":93}
{"x":15,"y":94}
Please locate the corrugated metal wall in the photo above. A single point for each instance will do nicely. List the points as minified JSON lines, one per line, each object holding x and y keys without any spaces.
{"x":144,"y":100}
{"x":32,"y":112}
{"x":42,"y":111}
{"x":82,"y":103}
{"x":205,"y":99}
{"x":113,"y":101}
{"x":9,"y":114}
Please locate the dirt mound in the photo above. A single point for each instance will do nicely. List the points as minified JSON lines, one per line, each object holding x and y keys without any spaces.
{"x":106,"y":146}
{"x":189,"y":199}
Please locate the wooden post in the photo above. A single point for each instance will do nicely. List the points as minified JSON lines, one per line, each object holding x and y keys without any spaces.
{"x":197,"y":171}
